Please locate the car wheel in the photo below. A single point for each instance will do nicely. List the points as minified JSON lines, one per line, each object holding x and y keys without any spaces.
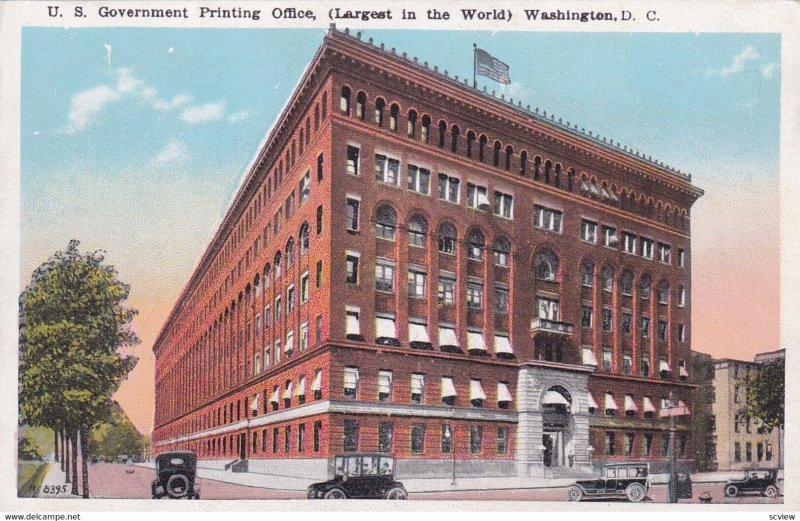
{"x":396,"y":493}
{"x":574,"y":493}
{"x":311,"y":493}
{"x":771,"y":491}
{"x":731,"y":491}
{"x":635,"y":492}
{"x":177,"y":486}
{"x":335,"y":493}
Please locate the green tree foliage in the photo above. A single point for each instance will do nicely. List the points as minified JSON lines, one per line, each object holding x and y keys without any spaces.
{"x":73,"y":323}
{"x":27,"y":449}
{"x":765,"y":395}
{"x":116,"y":437}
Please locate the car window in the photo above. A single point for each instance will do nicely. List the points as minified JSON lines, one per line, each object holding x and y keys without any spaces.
{"x":387,"y":465}
{"x":176,"y":461}
{"x":340,"y":463}
{"x":612,"y":473}
{"x":369,"y":466}
{"x":352,"y":468}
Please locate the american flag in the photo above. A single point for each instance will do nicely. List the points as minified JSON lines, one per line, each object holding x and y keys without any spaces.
{"x":491,"y":67}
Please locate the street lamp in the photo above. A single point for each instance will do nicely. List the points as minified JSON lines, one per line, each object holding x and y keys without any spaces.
{"x":450,"y":434}
{"x":673,"y":476}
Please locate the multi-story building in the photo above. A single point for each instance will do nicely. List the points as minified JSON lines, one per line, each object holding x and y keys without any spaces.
{"x":724,"y":440}
{"x":414,"y":266}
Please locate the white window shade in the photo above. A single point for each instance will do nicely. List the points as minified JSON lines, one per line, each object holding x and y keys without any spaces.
{"x":591,"y":401}
{"x":475,"y":341}
{"x":275,"y":396}
{"x":483,"y":201}
{"x":254,"y":403}
{"x":448,"y":388}
{"x":300,"y":390}
{"x":385,"y":382}
{"x":417,"y":383}
{"x":447,"y":337}
{"x":630,"y":405}
{"x":316,"y":385}
{"x":663,"y":365}
{"x":287,"y":392}
{"x":683,"y":407}
{"x":554,"y":398}
{"x":289,"y":347}
{"x":588,"y":357}
{"x":350,"y":378}
{"x":476,"y":390}
{"x":384,"y":327}
{"x":503,"y":394}
{"x":353,"y":327}
{"x":648,"y":405}
{"x":610,"y":403}
{"x":682,"y":372}
{"x":418,"y":333}
{"x":502,"y":344}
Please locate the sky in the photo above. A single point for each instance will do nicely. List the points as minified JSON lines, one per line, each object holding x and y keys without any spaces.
{"x":134,"y":141}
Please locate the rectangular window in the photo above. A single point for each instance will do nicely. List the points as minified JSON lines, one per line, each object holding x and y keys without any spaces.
{"x":276,"y":222}
{"x":289,"y":211}
{"x":664,"y":253}
{"x":353,"y":160}
{"x":351,"y":267}
{"x":628,"y":448}
{"x":626,"y":322}
{"x":548,"y":308}
{"x":500,"y":300}
{"x":737,"y":451}
{"x":609,"y":448}
{"x":608,"y":319}
{"x":352,"y":213}
{"x":303,"y":336}
{"x":502,"y":440}
{"x":385,"y":386}
{"x":607,"y":355}
{"x":417,"y":439}
{"x":647,"y":444}
{"x":417,"y":282}
{"x":317,"y":435}
{"x":681,"y":332}
{"x":275,"y":440}
{"x":504,"y":205}
{"x":278,"y":309}
{"x":644,"y":327}
{"x":305,"y":187}
{"x":301,"y":437}
{"x":645,"y":369}
{"x":447,"y":290}
{"x":610,"y":239}
{"x":320,"y":168}
{"x":304,"y":288}
{"x":748,"y":451}
{"x":319,"y":219}
{"x":628,"y":243}
{"x":627,"y":364}
{"x":387,"y":170}
{"x":475,"y":295}
{"x":477,"y":197}
{"x":384,"y":275}
{"x":290,"y":299}
{"x":475,"y":439}
{"x":318,"y":330}
{"x":681,"y":258}
{"x":287,"y":439}
{"x":449,"y":188}
{"x":586,"y":316}
{"x":385,"y":437}
{"x":447,"y":439}
{"x":662,"y":330}
{"x":419,"y":180}
{"x":547,"y":218}
{"x":350,"y":442}
{"x":681,"y":296}
{"x":647,"y":248}
{"x":589,"y":231}
{"x":417,"y":388}
{"x":318,"y":275}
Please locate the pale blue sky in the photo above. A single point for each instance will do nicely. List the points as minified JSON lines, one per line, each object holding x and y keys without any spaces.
{"x":139,"y":152}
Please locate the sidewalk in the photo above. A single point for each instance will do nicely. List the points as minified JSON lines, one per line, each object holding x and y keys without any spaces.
{"x":54,"y":479}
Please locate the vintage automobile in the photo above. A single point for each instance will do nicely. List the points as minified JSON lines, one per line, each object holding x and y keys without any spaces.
{"x":761,"y":481}
{"x":361,"y":475}
{"x":618,"y":480}
{"x":175,"y":476}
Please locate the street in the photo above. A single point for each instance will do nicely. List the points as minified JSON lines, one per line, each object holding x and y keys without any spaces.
{"x":111,"y":480}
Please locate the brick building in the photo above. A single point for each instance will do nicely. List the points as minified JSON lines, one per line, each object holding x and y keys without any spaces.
{"x":414,"y":266}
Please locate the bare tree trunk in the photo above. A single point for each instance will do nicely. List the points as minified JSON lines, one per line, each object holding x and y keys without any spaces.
{"x":61,"y":437}
{"x":65,"y":460}
{"x":55,"y":445}
{"x":85,"y":461}
{"x":73,"y":441}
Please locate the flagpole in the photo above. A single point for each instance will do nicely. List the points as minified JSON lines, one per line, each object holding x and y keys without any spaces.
{"x":474,"y":65}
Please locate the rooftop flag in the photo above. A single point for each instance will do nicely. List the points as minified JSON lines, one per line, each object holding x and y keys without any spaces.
{"x":491,"y":67}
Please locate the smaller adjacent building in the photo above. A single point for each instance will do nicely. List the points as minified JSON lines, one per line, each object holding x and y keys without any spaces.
{"x":723,"y":439}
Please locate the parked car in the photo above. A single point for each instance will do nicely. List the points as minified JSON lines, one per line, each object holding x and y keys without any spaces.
{"x":175,"y":476}
{"x":618,"y":480}
{"x":361,"y":475}
{"x":762,"y":481}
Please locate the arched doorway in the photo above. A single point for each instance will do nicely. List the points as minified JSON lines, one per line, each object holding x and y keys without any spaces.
{"x":556,"y":404}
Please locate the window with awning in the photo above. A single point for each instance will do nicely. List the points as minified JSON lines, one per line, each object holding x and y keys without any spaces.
{"x":610,"y":404}
{"x":591,"y":401}
{"x":448,"y":387}
{"x":682,"y":372}
{"x":588,"y":357}
{"x":254,"y":404}
{"x":300,"y":390}
{"x":475,"y":341}
{"x":630,"y":405}
{"x":287,"y":391}
{"x":289,"y":347}
{"x":418,"y":332}
{"x":554,"y":398}
{"x":476,"y":393}
{"x":663,"y":365}
{"x":447,"y":337}
{"x":502,"y":345}
{"x":504,"y":397}
{"x":648,"y":405}
{"x":384,"y":326}
{"x":274,"y":398}
{"x":316,"y":385}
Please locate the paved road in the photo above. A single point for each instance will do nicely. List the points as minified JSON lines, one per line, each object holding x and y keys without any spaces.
{"x":126,"y":481}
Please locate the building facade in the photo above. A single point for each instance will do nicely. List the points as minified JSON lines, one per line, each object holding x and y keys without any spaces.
{"x":414,"y":266}
{"x":725,"y":440}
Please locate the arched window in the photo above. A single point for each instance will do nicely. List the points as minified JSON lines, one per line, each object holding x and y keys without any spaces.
{"x":425,"y":132}
{"x":442,"y":133}
{"x":290,"y":252}
{"x":644,"y":286}
{"x":470,"y":142}
{"x":394,"y":113}
{"x":379,"y":105}
{"x":385,"y":222}
{"x":265,"y":278}
{"x":304,"y":238}
{"x":626,"y":282}
{"x":496,"y":158}
{"x":509,"y":155}
{"x":447,"y":238}
{"x":570,"y":178}
{"x":557,"y":179}
{"x":537,"y":167}
{"x":587,"y":274}
{"x":316,"y":117}
{"x":482,"y":148}
{"x":523,"y":162}
{"x":417,"y":229}
{"x":277,"y":264}
{"x":663,"y":292}
{"x":546,"y":265}
{"x":361,"y":105}
{"x":324,"y":106}
{"x":476,"y":245}
{"x":547,"y":167}
{"x":412,"y":123}
{"x":344,"y":101}
{"x":302,"y":140}
{"x":608,"y":279}
{"x":502,"y":251}
{"x":454,"y":139}
{"x":308,"y":131}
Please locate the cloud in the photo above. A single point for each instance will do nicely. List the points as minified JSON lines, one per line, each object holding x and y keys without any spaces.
{"x":203,"y":113}
{"x":86,"y":105}
{"x":749,"y":53}
{"x":176,"y":101}
{"x":126,"y":81}
{"x":238,"y":116}
{"x":769,"y":70}
{"x":173,"y":152}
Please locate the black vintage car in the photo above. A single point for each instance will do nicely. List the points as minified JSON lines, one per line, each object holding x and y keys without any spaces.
{"x":618,"y":480}
{"x":361,"y":475}
{"x":761,"y":481}
{"x":175,"y":476}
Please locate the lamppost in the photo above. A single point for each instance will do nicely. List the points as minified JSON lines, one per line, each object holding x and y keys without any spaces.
{"x":450,"y":434}
{"x":673,"y":476}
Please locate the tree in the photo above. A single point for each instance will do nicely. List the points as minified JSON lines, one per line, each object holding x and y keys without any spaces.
{"x":765,"y":396}
{"x":116,"y":438}
{"x":73,"y":323}
{"x":27,"y":449}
